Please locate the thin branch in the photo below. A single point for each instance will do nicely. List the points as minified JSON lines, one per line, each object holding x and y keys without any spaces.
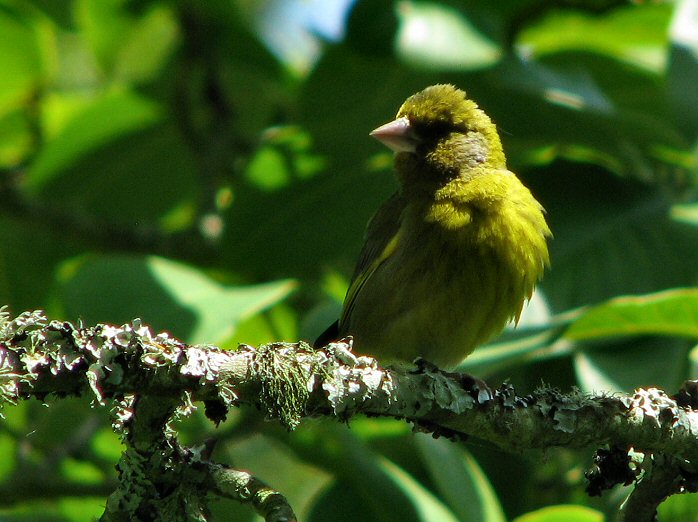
{"x":244,"y":487}
{"x":662,"y":478}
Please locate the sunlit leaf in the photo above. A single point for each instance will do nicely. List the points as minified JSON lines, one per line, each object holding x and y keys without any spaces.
{"x":678,"y":508}
{"x":635,"y":33}
{"x":106,"y":120}
{"x":624,"y":366}
{"x":569,"y":513}
{"x":166,"y":294}
{"x":460,"y":480}
{"x":20,"y":58}
{"x":438,"y":37}
{"x":682,"y":71}
{"x":427,"y":506}
{"x":671,"y":312}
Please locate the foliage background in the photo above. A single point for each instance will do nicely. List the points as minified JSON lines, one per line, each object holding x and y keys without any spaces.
{"x":206,"y":166}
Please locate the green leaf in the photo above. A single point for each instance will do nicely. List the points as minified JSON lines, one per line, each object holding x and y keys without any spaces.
{"x":278,"y":323}
{"x":438,"y":37}
{"x":586,"y":107}
{"x":366,"y":488}
{"x":371,"y":27}
{"x":8,"y":445}
{"x":679,"y":508}
{"x":104,"y":25}
{"x":15,"y":138}
{"x":132,"y":166}
{"x":657,"y":361}
{"x":148,"y":47}
{"x":460,"y":480}
{"x":129,"y":48}
{"x":71,"y":509}
{"x":165,"y":294}
{"x":568,"y":513}
{"x":634,"y":33}
{"x":426,"y":505}
{"x":682,"y":71}
{"x":279,"y":467}
{"x":624,"y":366}
{"x":107,"y":119}
{"x":322,"y":217}
{"x":612,"y":237}
{"x":671,"y":312}
{"x":515,"y":347}
{"x":24,"y":244}
{"x":20,"y":58}
{"x":686,"y":213}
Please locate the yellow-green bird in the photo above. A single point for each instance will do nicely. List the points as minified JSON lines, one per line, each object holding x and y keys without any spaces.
{"x":451,"y":257}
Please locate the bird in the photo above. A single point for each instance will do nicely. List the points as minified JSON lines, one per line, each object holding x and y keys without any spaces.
{"x":451,"y":257}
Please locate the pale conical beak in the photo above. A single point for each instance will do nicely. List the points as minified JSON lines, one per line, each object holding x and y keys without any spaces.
{"x":397,"y":135}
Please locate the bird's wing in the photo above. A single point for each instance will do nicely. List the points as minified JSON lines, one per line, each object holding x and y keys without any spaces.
{"x":381,"y":240}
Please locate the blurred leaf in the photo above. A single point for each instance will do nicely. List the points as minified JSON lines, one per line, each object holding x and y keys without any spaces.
{"x":581,"y":106}
{"x":371,"y":487}
{"x":81,"y":471}
{"x":679,"y":508}
{"x":20,"y":58}
{"x":371,"y":27}
{"x":128,"y":48}
{"x":60,"y":13}
{"x":460,"y":480}
{"x":365,"y":489}
{"x":682,"y":73}
{"x":79,"y":509}
{"x":279,"y":323}
{"x":622,"y":367}
{"x":427,"y":506}
{"x":108,"y":118}
{"x":655,"y":362}
{"x":687,"y":213}
{"x":347,"y":95}
{"x":392,"y":432}
{"x":275,"y":464}
{"x":28,"y":257}
{"x":322,"y":217}
{"x":514,"y":347}
{"x":230,"y":72}
{"x":165,"y":294}
{"x":8,"y":445}
{"x":135,"y":117}
{"x":16,"y":138}
{"x":569,"y":513}
{"x":129,"y":163}
{"x":107,"y":444}
{"x":104,"y":25}
{"x":150,"y":43}
{"x":64,"y":509}
{"x":284,"y":156}
{"x":633,"y":33}
{"x":438,"y":37}
{"x":670,"y":312}
{"x":612,"y":237}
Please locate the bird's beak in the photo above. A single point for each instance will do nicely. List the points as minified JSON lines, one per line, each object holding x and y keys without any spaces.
{"x":397,"y":135}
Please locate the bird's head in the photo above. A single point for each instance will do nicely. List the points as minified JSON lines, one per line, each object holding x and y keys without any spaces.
{"x":440,"y":134}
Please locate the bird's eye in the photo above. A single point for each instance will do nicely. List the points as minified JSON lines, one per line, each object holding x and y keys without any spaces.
{"x":432,"y":131}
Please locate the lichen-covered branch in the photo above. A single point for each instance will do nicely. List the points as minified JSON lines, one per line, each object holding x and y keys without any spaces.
{"x":663,"y":477}
{"x":244,"y":487}
{"x":151,"y":379}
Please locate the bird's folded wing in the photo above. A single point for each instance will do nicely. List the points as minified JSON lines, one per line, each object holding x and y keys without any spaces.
{"x":382,"y":239}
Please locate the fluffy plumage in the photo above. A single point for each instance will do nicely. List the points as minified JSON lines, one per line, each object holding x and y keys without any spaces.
{"x":451,"y":257}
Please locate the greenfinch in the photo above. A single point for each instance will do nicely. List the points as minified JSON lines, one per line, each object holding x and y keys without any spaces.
{"x":450,"y":258}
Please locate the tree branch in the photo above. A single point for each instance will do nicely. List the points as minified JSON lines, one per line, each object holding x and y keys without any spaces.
{"x":153,"y":379}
